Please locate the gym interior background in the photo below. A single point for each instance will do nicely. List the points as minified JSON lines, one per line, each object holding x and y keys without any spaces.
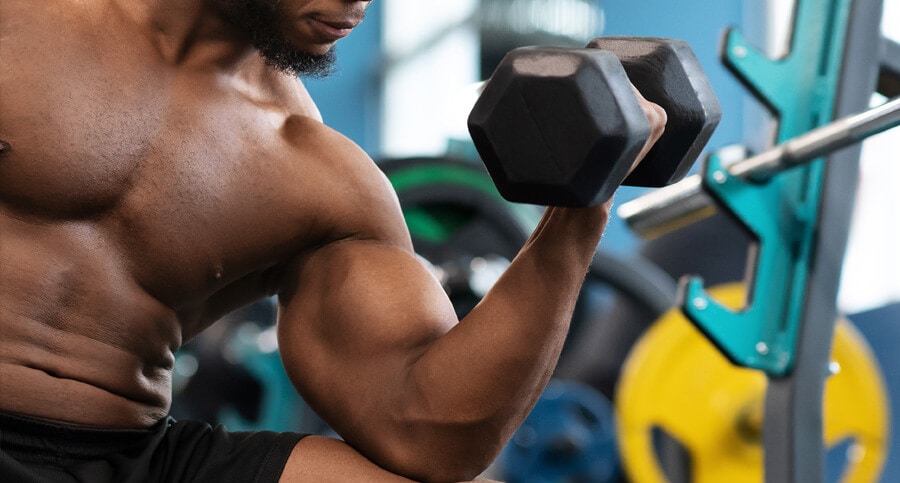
{"x":405,"y":82}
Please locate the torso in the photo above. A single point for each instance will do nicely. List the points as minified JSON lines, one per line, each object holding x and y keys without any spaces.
{"x":139,"y":202}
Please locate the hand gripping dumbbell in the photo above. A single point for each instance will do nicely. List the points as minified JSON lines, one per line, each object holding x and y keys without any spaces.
{"x":562,"y":127}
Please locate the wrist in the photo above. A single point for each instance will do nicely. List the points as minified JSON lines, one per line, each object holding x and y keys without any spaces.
{"x":572,"y":231}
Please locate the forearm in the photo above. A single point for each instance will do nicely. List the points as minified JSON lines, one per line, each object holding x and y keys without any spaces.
{"x":478,"y":382}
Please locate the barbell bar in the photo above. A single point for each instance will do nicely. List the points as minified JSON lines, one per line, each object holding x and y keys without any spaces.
{"x":685,"y":202}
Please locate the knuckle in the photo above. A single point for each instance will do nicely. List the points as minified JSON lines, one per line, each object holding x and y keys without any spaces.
{"x":657,"y":117}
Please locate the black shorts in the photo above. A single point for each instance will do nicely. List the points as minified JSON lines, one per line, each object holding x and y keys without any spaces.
{"x":171,"y":451}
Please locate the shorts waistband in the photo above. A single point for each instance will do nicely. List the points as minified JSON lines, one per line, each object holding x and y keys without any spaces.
{"x":20,"y":432}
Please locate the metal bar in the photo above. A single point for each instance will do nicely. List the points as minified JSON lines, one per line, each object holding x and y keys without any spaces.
{"x":793,"y":427}
{"x":685,"y":202}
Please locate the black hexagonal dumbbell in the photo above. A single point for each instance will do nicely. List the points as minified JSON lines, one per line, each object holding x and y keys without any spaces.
{"x":562,"y":127}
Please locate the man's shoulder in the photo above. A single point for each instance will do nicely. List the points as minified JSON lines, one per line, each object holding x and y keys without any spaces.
{"x":334,"y":153}
{"x":359,"y":196}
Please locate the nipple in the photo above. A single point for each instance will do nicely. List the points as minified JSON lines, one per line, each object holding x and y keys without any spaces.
{"x":4,"y":147}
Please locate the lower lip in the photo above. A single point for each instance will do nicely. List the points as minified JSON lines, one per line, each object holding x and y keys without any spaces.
{"x":329,"y":33}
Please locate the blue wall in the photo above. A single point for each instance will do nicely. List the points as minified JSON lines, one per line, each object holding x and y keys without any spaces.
{"x":350,"y":99}
{"x":701,"y":24}
{"x":881,"y":327}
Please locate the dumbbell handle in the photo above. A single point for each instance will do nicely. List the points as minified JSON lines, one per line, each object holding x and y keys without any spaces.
{"x":685,"y":202}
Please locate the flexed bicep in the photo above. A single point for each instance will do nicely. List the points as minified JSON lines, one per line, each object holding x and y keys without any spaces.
{"x":355,"y":316}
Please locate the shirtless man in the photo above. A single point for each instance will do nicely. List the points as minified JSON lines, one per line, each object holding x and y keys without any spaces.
{"x":161,"y":166}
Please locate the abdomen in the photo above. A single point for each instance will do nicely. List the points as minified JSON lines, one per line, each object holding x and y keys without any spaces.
{"x":82,"y":342}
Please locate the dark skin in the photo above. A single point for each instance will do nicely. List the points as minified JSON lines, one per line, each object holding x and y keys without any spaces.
{"x":158,"y":174}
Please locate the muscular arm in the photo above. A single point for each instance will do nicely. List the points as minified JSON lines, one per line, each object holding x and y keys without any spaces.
{"x":372,"y":342}
{"x":371,"y":339}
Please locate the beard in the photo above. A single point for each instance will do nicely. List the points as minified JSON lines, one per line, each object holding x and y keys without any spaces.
{"x":259,"y":20}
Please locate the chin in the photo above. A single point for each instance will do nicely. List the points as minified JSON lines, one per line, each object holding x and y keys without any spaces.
{"x":319,"y":50}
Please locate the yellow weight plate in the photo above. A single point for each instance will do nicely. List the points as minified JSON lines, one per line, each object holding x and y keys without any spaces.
{"x":676,"y":380}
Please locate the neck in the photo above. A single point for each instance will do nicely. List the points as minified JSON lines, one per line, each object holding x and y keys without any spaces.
{"x":189,"y":31}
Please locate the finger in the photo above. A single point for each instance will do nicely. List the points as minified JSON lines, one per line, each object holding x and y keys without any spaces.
{"x":656,"y":117}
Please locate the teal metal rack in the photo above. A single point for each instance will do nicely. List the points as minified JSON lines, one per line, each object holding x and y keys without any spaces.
{"x":799,"y":219}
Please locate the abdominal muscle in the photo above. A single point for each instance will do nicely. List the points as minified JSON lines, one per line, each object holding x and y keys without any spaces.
{"x":80,"y":341}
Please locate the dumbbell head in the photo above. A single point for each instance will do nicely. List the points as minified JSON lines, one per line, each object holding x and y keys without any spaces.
{"x":667,"y":72}
{"x":561,"y":126}
{"x":558,"y":126}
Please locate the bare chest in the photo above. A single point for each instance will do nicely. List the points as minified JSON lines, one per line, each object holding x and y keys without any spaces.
{"x":72,"y":132}
{"x":185,"y":176}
